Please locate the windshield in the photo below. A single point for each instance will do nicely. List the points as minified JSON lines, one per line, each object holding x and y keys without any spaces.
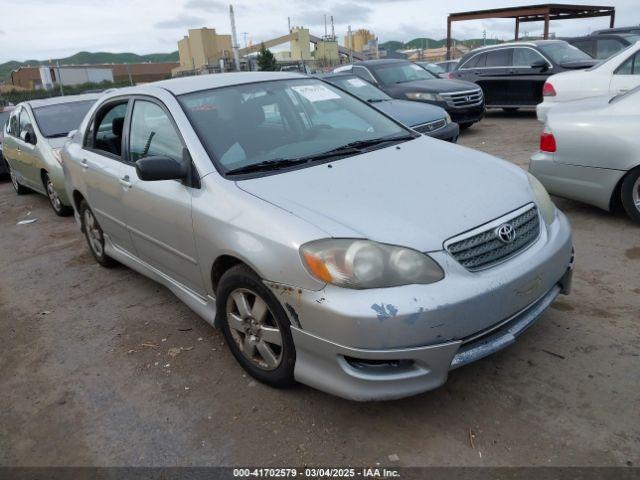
{"x":245,"y":125}
{"x":431,"y":67}
{"x":59,"y":120}
{"x":401,"y":73}
{"x":361,"y":89}
{"x":561,"y":52}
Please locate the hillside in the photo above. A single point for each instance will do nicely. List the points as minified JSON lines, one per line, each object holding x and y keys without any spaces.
{"x":393,"y":45}
{"x":90,"y":58}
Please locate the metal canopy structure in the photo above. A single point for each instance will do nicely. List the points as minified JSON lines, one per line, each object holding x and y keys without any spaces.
{"x":533,"y":13}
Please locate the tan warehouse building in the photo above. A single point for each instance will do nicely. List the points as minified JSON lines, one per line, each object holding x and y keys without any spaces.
{"x":202,"y":48}
{"x":359,"y":40}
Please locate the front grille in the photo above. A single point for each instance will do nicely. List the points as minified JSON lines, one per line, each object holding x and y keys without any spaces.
{"x":484,"y":249}
{"x":470,"y":98}
{"x":431,"y":126}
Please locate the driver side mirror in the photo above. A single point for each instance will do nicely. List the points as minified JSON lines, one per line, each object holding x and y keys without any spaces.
{"x":152,"y":169}
{"x":29,"y":135}
{"x":540,"y":64}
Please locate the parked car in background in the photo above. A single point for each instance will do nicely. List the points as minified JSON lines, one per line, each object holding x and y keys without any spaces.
{"x":447,"y":65}
{"x":424,"y":118}
{"x":404,"y":80}
{"x":433,"y":68}
{"x":305,"y":241}
{"x":589,"y":152}
{"x":635,"y":30}
{"x":4,"y":118}
{"x":618,"y":74}
{"x":33,"y":137}
{"x":512,"y":75}
{"x":605,"y":45}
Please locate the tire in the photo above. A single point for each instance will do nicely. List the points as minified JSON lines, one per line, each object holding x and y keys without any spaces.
{"x":630,"y":194}
{"x":465,"y":126}
{"x":95,"y":236}
{"x":510,"y":109}
{"x":58,"y":207}
{"x":258,"y":334}
{"x":20,"y":190}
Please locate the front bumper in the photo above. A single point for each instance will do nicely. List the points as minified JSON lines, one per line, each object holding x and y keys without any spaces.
{"x":389,"y":343}
{"x":449,"y":133}
{"x":466,"y":115}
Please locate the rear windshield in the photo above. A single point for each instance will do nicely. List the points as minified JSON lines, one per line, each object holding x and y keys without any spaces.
{"x":561,"y":52}
{"x":401,"y":73}
{"x":361,"y":89}
{"x":59,"y":120}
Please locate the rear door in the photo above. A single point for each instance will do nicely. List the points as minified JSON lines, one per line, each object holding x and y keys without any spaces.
{"x":627,"y":76}
{"x":105,"y":172}
{"x":494,"y":76}
{"x":158,"y":214}
{"x":525,"y":87}
{"x":9,"y":144}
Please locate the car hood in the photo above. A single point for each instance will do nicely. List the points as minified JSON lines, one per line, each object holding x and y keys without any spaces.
{"x":436,"y":85}
{"x":418,"y":195}
{"x":410,"y":113}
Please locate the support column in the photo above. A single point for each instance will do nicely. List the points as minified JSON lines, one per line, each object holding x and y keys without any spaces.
{"x":612,"y":21}
{"x":517,"y":28}
{"x":448,"y":38}
{"x":546,"y":26}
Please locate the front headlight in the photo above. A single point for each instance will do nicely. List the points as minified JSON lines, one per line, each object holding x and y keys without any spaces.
{"x":447,"y":117}
{"x":361,"y":264}
{"x":546,"y":206}
{"x":424,"y":97}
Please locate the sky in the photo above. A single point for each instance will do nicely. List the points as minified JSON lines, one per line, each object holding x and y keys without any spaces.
{"x":43,"y":29}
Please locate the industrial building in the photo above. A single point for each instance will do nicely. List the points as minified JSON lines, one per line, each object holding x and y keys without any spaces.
{"x":203,"y":49}
{"x":361,"y":41}
{"x":36,"y":77}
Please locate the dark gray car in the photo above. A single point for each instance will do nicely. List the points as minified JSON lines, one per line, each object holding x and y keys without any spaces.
{"x":426,"y":119}
{"x":405,"y":80}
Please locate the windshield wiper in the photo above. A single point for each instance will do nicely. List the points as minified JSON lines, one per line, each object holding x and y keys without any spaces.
{"x":275,"y":164}
{"x":376,"y":100}
{"x":58,"y":135}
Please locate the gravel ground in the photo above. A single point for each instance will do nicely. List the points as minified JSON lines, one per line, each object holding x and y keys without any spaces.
{"x":87,"y":376}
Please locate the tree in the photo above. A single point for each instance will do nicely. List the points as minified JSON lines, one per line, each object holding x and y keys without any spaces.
{"x":266,"y":60}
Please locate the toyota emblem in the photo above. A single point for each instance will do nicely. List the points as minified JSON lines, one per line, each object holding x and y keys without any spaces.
{"x":506,"y":233}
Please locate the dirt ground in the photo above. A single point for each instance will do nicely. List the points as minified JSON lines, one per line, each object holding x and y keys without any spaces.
{"x":86,"y":375}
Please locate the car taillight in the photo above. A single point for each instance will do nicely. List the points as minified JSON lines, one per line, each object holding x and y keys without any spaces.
{"x":548,"y":143}
{"x":548,"y":90}
{"x":451,"y":76}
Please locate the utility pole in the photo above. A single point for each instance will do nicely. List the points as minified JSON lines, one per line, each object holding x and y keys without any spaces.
{"x":129,"y":73}
{"x":59,"y":78}
{"x":234,"y":39}
{"x":350,"y":44}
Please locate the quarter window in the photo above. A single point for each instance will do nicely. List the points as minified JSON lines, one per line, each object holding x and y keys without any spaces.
{"x":364,"y":74}
{"x":607,"y":47}
{"x":24,"y":121}
{"x":525,"y":57}
{"x":153,"y":134}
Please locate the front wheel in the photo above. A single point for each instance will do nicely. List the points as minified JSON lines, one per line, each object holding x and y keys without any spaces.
{"x":256,"y":327}
{"x":464,"y":126}
{"x":95,"y":236}
{"x":630,"y":193}
{"x":510,"y":109}
{"x":59,"y":208}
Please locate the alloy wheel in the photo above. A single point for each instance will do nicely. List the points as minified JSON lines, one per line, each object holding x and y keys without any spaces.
{"x":635,"y":194}
{"x":94,"y":234}
{"x":53,"y":196}
{"x":14,"y":179}
{"x":254,"y":329}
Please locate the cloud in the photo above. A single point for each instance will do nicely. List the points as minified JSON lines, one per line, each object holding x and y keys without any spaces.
{"x":343,"y":13}
{"x":207,"y":5}
{"x":2,"y":32}
{"x":181,"y":21}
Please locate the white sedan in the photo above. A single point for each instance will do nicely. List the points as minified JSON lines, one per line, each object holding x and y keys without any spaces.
{"x":616,"y":75}
{"x":590,"y":152}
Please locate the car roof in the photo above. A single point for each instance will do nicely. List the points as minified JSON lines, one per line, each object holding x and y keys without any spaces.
{"x":328,"y":76}
{"x":179,"y":86}
{"x":616,"y":30}
{"x":532,"y":43}
{"x":45,"y":102}
{"x":602,"y":35}
{"x":382,"y":61}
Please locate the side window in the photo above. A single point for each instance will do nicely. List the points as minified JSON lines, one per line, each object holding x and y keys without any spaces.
{"x":499,"y":58}
{"x":478,"y":61}
{"x":607,"y":47}
{"x":364,"y":74}
{"x":525,"y":57}
{"x":24,"y":121}
{"x":630,"y":67}
{"x":152,"y":133}
{"x":14,"y":129}
{"x":106,"y":130}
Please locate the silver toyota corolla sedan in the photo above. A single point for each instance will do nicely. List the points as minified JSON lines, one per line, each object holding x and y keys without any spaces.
{"x":331,"y":244}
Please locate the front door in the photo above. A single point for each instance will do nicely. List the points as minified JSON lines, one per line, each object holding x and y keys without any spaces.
{"x":104,"y":170}
{"x":159,"y":213}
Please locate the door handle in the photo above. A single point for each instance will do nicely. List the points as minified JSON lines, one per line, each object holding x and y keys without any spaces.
{"x":84,"y":163}
{"x":623,"y":90}
{"x":125,"y":181}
